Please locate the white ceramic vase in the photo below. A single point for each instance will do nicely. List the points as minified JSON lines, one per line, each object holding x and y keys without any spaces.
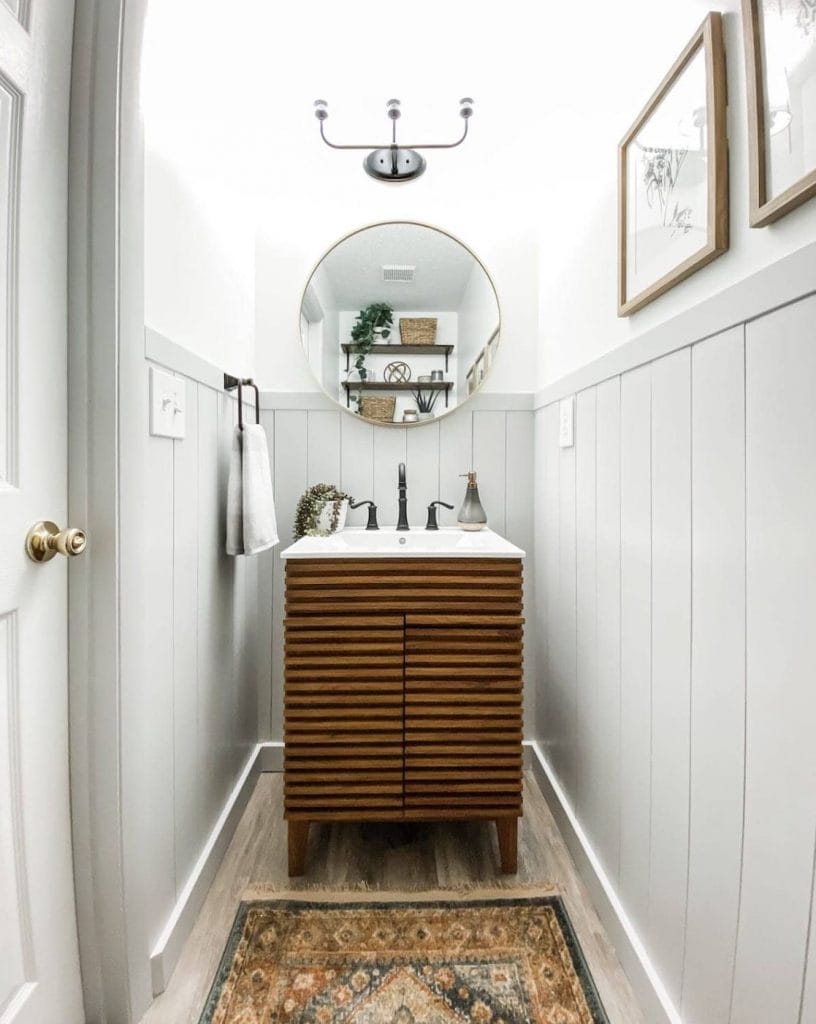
{"x":324,"y":519}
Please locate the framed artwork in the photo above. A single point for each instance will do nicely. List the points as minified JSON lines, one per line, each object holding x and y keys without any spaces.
{"x":780,"y":57}
{"x":673,"y":175}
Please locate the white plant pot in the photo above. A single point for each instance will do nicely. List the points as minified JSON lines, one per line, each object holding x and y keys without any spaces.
{"x":324,"y":519}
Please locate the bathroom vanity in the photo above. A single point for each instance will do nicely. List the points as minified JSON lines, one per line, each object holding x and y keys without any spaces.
{"x":403,"y":681}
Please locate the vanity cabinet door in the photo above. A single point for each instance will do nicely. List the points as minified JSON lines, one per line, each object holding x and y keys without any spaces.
{"x":344,"y":717}
{"x":463,"y":716}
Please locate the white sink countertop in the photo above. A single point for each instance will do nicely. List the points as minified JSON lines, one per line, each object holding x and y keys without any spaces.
{"x":387,"y":542}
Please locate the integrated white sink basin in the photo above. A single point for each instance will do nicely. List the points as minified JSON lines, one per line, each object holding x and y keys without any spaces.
{"x":449,"y":542}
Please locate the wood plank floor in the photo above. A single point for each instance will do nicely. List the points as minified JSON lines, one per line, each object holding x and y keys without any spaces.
{"x":384,"y":857}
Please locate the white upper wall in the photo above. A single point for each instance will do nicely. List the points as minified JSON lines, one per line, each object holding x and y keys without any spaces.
{"x":199,"y":266}
{"x":578,"y":297}
{"x":243,"y":197}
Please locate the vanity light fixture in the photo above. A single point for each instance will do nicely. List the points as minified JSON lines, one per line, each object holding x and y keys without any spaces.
{"x":393,"y":162}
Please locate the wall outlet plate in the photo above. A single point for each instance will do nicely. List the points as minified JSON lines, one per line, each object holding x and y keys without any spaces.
{"x":566,"y":422}
{"x":168,"y":400}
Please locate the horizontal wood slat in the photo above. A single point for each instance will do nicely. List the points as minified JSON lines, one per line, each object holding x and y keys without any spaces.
{"x":401,"y":579}
{"x":297,"y":568}
{"x":366,"y":606}
{"x":398,"y":594}
{"x":435,"y":685}
{"x":436,"y":758}
{"x":403,"y":682}
{"x":326,"y":758}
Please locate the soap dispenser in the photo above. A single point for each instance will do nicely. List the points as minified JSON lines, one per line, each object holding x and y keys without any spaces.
{"x":471,"y":514}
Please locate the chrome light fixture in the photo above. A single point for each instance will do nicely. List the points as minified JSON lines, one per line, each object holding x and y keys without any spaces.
{"x":393,"y":162}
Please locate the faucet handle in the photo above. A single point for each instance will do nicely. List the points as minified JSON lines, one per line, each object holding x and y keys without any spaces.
{"x":432,"y":523}
{"x":372,"y":513}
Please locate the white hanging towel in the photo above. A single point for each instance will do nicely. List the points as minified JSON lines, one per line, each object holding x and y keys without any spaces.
{"x":251,"y":524}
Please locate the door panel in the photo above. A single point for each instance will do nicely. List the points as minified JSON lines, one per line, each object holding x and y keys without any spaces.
{"x":39,"y":965}
{"x":463,"y":716}
{"x":343,"y":716}
{"x":15,"y":964}
{"x":10,"y":110}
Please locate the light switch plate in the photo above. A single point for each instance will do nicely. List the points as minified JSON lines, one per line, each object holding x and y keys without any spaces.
{"x":168,"y":399}
{"x":566,"y":422}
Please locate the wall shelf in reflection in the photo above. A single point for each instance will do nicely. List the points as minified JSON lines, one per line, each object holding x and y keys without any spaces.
{"x":381,"y":385}
{"x":408,"y":350}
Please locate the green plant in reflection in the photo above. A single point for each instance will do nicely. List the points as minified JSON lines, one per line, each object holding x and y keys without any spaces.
{"x":372,"y":324}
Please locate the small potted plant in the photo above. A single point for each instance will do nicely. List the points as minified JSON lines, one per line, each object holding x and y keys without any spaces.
{"x":321,"y":511}
{"x":372,"y":324}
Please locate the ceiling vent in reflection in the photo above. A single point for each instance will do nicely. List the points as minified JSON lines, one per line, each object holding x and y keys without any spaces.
{"x":393,"y":273}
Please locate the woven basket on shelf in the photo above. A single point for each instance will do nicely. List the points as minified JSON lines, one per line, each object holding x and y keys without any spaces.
{"x":378,"y":407}
{"x":417,"y":330}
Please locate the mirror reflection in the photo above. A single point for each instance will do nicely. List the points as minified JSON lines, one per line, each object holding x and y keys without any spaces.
{"x":400,"y":323}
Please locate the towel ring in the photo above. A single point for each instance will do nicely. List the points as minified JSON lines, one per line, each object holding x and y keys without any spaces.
{"x":231,"y":383}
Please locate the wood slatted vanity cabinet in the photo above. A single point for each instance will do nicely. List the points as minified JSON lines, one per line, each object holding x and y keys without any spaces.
{"x":403,"y":693}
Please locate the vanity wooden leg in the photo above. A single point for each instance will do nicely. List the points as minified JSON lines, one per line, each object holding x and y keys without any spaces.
{"x":507,"y":829}
{"x":298,"y":840}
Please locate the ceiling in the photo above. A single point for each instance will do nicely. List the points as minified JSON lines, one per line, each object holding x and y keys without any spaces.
{"x":227,"y":95}
{"x":443,"y":266}
{"x":228,"y":91}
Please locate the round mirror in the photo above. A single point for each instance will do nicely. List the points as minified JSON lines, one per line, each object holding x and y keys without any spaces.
{"x":400,"y":323}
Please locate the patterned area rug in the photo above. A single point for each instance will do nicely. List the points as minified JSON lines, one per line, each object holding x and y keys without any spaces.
{"x":498,"y":961}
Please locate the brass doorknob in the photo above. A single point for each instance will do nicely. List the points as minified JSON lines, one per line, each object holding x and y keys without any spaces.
{"x":45,"y":539}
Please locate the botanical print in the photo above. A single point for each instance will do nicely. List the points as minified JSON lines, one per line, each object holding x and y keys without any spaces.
{"x":666,"y":174}
{"x":661,"y":171}
{"x":788,"y":33}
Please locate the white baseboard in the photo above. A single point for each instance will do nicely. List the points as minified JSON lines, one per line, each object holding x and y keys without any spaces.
{"x":646,"y":984}
{"x":176,"y":931}
{"x":268,"y":757}
{"x":271,"y":756}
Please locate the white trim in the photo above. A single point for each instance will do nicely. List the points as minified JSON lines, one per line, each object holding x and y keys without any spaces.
{"x":501,"y":401}
{"x":788,"y":280}
{"x":508,"y":401}
{"x":176,"y":931}
{"x":172,"y":356}
{"x":94,"y":355}
{"x":298,"y":400}
{"x":646,"y":983}
{"x":271,"y":756}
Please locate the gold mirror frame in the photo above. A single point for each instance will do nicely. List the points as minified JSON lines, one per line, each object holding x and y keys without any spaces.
{"x":493,"y":339}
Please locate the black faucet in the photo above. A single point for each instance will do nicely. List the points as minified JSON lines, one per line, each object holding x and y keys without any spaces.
{"x":372,"y":513}
{"x":402,"y":519}
{"x":432,"y":523}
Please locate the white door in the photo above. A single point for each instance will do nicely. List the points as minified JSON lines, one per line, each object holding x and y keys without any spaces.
{"x":39,"y":962}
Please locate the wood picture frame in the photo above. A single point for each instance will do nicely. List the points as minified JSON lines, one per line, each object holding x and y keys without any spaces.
{"x":710,"y":220}
{"x":765,"y":207}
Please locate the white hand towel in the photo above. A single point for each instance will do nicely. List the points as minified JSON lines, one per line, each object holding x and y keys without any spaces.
{"x":251,"y":524}
{"x":235,"y":500}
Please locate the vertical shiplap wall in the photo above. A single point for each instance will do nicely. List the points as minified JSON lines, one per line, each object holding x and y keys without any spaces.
{"x":326,"y":445}
{"x":676,"y":574}
{"x":199,"y":677}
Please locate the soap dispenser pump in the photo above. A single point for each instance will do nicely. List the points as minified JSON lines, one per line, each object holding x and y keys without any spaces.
{"x":471,"y":514}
